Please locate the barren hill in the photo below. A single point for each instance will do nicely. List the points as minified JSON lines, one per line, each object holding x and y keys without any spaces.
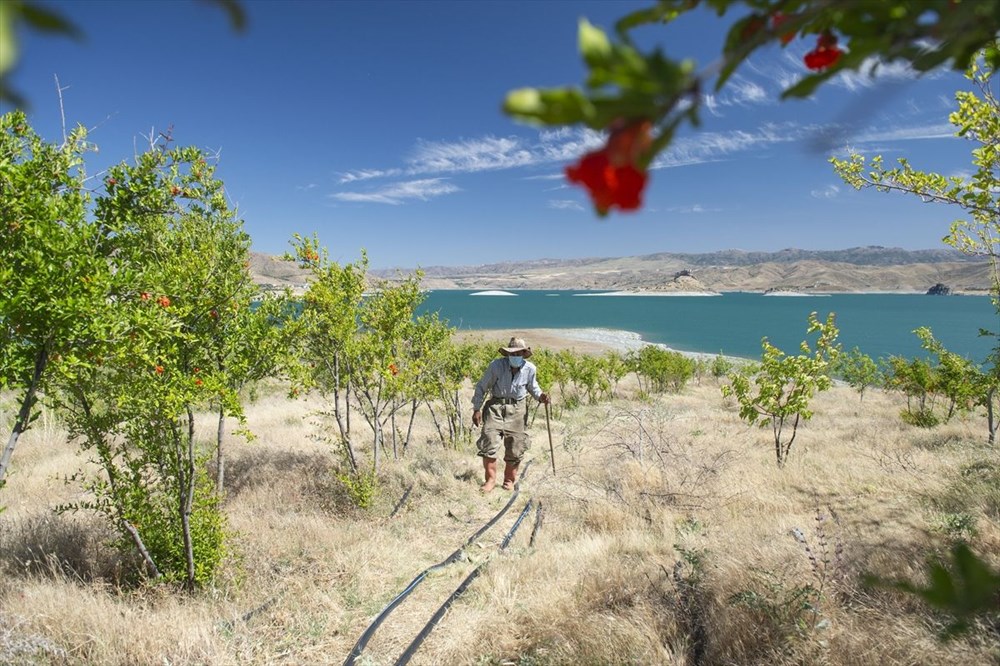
{"x":852,"y":270}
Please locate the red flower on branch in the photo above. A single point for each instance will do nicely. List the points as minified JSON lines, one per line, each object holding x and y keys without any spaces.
{"x":164,"y":301}
{"x":825,"y":54}
{"x":610,"y":174}
{"x":393,"y":369}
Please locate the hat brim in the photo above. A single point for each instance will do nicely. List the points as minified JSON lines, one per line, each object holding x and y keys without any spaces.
{"x":506,"y":351}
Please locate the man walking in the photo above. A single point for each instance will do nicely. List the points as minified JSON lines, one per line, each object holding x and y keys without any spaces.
{"x":508,"y":380}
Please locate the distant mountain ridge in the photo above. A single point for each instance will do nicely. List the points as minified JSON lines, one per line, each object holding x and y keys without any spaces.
{"x":871,"y":255}
{"x":871,"y":268}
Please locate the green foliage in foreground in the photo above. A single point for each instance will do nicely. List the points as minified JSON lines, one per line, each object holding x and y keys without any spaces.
{"x":966,"y":588}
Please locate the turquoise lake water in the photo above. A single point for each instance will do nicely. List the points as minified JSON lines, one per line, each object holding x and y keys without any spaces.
{"x":734,"y":323}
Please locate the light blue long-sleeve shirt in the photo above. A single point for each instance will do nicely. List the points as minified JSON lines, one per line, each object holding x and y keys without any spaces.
{"x":500,"y":383}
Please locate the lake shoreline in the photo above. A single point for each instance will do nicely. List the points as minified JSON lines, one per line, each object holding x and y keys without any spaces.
{"x":593,"y":341}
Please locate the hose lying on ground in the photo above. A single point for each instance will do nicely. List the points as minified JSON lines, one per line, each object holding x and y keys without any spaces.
{"x":459,"y":591}
{"x":370,"y":631}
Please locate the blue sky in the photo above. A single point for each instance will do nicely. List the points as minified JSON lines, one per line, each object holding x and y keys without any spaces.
{"x":377,"y":125}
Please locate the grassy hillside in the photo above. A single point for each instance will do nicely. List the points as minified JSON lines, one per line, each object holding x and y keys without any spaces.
{"x":668,"y":536}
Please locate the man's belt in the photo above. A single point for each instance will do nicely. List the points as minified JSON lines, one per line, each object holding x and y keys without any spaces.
{"x":506,"y":401}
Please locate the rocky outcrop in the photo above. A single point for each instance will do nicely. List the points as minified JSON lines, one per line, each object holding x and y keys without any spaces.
{"x":940,"y":289}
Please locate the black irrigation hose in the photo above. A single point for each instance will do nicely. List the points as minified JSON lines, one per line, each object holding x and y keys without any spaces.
{"x":370,"y":631}
{"x":459,"y":591}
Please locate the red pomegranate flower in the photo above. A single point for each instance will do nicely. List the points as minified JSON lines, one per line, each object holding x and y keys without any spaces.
{"x":164,"y":301}
{"x":610,"y":174}
{"x":825,"y":54}
{"x":393,"y":369}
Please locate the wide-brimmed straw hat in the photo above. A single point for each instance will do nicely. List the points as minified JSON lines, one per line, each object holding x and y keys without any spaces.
{"x":516,"y":345}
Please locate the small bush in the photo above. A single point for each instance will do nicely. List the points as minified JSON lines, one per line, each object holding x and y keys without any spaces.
{"x":921,"y":418}
{"x":362,"y":487}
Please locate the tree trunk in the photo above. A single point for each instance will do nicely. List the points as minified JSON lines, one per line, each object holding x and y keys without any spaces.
{"x":220,"y":479}
{"x":437,"y":425}
{"x":991,"y":420}
{"x":345,"y":430}
{"x":141,"y":547}
{"x":347,"y":406}
{"x":24,"y":414}
{"x":186,"y":481}
{"x":392,"y":425}
{"x":409,"y":426}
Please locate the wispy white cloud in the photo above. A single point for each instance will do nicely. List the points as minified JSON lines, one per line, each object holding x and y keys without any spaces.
{"x":556,"y":147}
{"x":470,"y":155}
{"x":565,"y":204}
{"x":828,"y":192}
{"x":399,"y":193}
{"x":717,"y":146}
{"x":368,"y":174}
{"x":305,"y":187}
{"x":911,"y":133}
{"x":873,"y":72}
{"x":693,"y":209}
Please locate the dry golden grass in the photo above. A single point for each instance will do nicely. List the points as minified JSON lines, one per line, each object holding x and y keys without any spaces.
{"x":669,"y":537}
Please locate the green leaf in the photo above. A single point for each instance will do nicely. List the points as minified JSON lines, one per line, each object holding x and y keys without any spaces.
{"x":234,"y":10}
{"x":45,"y":20}
{"x":8,"y":41}
{"x":559,"y":106}
{"x":661,"y":13}
{"x":594,"y":44}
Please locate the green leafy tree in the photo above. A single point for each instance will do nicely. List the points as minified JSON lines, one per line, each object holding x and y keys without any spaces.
{"x":327,"y":329}
{"x":963,"y":383}
{"x":721,"y":366}
{"x":779,"y":393}
{"x":958,"y":378}
{"x":642,"y":97}
{"x":425,"y":347}
{"x":385,"y":323}
{"x":249,"y":339}
{"x":454,"y":364}
{"x":918,"y":380}
{"x":663,"y":370}
{"x":53,"y":283}
{"x":859,"y":370}
{"x":175,"y":250}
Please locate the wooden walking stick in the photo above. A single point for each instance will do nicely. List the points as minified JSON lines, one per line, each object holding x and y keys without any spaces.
{"x":552,"y":451}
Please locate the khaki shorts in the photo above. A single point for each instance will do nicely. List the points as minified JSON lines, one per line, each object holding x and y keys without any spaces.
{"x":504,"y":424}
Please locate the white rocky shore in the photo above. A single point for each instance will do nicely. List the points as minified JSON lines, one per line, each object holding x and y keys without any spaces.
{"x":588,"y":340}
